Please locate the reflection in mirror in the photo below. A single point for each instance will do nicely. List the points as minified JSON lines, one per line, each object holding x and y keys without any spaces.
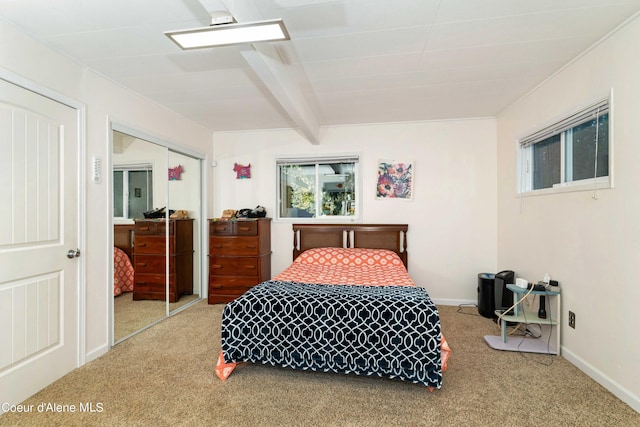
{"x":139,"y":185}
{"x":184,"y":201}
{"x":132,"y":190}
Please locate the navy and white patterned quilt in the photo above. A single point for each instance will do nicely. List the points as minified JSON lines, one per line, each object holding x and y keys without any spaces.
{"x":389,"y":331}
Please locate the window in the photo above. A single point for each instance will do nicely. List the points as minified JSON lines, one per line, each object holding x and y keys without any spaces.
{"x":571,"y":152}
{"x":318,"y":188}
{"x":132,"y":190}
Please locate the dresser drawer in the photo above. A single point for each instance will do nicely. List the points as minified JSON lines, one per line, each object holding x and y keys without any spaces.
{"x":147,"y":281}
{"x":153,"y":287}
{"x":230,"y":285}
{"x":143,"y":285}
{"x":233,"y":228}
{"x":151,"y":245}
{"x":152,"y":227}
{"x":233,"y":245}
{"x":221,"y":228}
{"x":221,"y":266}
{"x":151,"y":264}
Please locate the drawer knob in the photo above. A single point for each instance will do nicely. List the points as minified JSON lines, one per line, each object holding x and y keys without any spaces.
{"x":217,"y":246}
{"x":142,"y":245}
{"x":142,"y":264}
{"x":144,"y":228}
{"x":216,"y":266}
{"x":250,"y":267}
{"x":244,"y":228}
{"x":216,"y":286}
{"x":250,"y":246}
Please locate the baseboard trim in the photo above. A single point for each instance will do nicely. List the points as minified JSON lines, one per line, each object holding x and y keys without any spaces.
{"x":93,"y":355}
{"x":619,"y":391}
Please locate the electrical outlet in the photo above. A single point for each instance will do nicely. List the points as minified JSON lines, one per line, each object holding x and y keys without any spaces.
{"x":572,"y":319}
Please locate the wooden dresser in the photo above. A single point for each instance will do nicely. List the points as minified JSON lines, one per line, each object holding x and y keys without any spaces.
{"x":149,"y":259}
{"x":239,"y":256}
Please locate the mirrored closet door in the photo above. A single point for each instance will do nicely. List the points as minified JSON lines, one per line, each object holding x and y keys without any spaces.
{"x":157,"y":223}
{"x":184,"y":201}
{"x":139,"y":182}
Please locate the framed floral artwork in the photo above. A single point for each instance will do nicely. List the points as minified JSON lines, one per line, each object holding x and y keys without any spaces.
{"x":395,"y":180}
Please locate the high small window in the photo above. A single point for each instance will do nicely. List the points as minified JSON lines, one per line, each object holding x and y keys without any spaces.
{"x":572,"y":152}
{"x":319,"y":188}
{"x":132,"y":190}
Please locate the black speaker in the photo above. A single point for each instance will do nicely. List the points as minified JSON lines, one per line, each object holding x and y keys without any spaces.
{"x":486,"y":295}
{"x":503,"y":296}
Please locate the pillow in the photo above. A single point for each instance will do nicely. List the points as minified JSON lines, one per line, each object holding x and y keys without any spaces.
{"x":349,"y":256}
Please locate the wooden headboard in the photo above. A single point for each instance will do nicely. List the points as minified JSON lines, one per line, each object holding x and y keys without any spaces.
{"x":372,"y":236}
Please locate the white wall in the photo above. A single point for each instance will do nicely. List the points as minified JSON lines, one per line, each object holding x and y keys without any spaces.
{"x":592,"y":247}
{"x":104,"y":101}
{"x":140,"y":152}
{"x":452,"y":218}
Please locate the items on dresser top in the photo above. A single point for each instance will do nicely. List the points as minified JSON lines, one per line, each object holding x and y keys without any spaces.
{"x":239,"y":256}
{"x":257,"y":212}
{"x":149,"y":258}
{"x":157,"y":213}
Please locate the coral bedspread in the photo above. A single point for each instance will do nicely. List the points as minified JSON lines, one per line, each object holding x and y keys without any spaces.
{"x":387,"y":326}
{"x":355,"y":266}
{"x":122,"y":272}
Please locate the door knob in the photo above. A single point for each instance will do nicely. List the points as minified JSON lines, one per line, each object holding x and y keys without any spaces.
{"x":73,"y":253}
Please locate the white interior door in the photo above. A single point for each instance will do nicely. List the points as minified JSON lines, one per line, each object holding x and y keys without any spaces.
{"x":38,"y":226}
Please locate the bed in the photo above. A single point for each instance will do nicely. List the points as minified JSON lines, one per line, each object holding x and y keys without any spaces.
{"x":122,"y":254}
{"x":123,"y":272}
{"x":346,"y":304}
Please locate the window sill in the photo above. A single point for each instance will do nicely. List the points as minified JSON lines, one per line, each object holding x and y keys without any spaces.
{"x":603,"y":183}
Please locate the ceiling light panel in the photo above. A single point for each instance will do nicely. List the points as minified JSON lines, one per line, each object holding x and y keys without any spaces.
{"x":229,"y":34}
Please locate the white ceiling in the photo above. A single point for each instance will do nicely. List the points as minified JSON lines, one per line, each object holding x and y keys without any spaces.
{"x":348,"y":61}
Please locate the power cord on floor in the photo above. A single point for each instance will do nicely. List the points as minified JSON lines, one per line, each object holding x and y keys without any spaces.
{"x":461,"y":306}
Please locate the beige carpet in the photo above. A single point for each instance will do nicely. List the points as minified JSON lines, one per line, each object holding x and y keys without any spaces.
{"x":131,"y":316}
{"x":164,"y":377}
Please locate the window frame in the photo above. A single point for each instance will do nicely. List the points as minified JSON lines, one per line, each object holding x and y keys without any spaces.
{"x":126,"y":169}
{"x":316,"y":161}
{"x":561,"y":127}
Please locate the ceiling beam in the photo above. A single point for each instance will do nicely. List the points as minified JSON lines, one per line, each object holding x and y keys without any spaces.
{"x":278,"y":81}
{"x":267,"y":62}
